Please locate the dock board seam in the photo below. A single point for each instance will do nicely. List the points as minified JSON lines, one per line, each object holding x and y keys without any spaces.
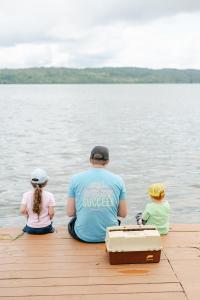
{"x":177,"y":277}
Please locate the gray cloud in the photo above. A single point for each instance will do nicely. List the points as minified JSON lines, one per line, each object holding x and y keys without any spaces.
{"x":83,"y":33}
{"x":23,"y":21}
{"x":145,"y":10}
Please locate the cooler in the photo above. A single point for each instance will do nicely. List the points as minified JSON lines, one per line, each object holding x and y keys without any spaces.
{"x":133,"y":244}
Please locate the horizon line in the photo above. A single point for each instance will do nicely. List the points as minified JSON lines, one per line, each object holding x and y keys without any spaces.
{"x":103,"y":67}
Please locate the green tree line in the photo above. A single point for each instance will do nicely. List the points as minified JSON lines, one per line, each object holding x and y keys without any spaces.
{"x":97,"y":75}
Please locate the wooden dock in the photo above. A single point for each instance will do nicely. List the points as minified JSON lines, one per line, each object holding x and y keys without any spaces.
{"x":56,"y":267}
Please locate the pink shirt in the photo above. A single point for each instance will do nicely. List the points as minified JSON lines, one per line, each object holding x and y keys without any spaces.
{"x":43,"y":219}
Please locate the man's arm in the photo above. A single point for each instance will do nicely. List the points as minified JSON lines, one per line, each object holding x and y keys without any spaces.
{"x":122,"y":211}
{"x":71,"y":209}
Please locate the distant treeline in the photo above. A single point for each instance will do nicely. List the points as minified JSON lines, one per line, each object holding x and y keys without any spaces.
{"x":97,"y":75}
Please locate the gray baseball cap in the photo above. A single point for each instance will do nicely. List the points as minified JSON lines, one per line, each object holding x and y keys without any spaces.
{"x":39,"y":176}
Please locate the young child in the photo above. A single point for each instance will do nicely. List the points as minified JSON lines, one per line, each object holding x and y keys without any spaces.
{"x":157,"y":211}
{"x":38,"y":205}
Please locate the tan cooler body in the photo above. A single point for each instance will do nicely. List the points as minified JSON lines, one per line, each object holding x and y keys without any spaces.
{"x":133,"y":244}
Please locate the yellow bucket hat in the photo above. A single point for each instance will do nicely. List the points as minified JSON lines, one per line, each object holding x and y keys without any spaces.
{"x":157,"y":190}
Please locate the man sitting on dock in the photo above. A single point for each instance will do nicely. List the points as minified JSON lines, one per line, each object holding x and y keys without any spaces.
{"x":96,"y":199}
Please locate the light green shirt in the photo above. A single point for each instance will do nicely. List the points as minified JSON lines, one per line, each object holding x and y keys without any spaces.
{"x":157,"y":213}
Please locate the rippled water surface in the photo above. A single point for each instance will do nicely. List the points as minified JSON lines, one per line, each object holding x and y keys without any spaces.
{"x":152,"y":132}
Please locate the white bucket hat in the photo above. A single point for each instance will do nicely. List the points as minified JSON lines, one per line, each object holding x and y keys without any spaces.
{"x":39,"y":176}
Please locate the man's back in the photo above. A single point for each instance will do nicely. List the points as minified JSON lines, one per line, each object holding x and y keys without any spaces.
{"x":97,"y":193}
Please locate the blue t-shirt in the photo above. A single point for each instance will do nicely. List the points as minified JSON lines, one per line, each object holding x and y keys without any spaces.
{"x":97,"y":193}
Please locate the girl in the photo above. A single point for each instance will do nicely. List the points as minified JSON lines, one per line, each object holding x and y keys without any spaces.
{"x":157,"y":211}
{"x":38,"y":205}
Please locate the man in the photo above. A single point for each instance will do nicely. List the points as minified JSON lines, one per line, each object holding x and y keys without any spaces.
{"x":96,"y":199}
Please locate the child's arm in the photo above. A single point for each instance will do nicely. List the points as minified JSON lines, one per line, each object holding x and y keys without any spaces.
{"x":23,"y":207}
{"x":23,"y":210}
{"x":145,"y":214}
{"x":51,"y":212}
{"x":52,"y":204}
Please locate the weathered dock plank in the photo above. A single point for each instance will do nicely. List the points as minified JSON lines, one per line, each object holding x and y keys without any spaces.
{"x":135,"y":296}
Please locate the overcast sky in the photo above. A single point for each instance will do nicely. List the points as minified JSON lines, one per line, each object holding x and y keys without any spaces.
{"x":98,"y":33}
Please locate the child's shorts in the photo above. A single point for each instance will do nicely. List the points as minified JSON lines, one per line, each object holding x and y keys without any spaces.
{"x":43,"y":230}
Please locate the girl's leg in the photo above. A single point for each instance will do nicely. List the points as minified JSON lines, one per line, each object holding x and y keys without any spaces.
{"x":44,"y":230}
{"x":24,"y":229}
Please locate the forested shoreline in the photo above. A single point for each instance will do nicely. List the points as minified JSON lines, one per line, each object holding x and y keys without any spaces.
{"x":97,"y":76}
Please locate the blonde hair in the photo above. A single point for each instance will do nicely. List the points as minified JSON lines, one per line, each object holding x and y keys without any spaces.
{"x":157,"y":191}
{"x":37,"y":197}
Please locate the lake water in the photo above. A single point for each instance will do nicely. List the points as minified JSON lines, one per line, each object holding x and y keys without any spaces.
{"x":152,"y":132}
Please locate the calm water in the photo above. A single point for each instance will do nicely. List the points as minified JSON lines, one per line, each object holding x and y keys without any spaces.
{"x":152,"y":132}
